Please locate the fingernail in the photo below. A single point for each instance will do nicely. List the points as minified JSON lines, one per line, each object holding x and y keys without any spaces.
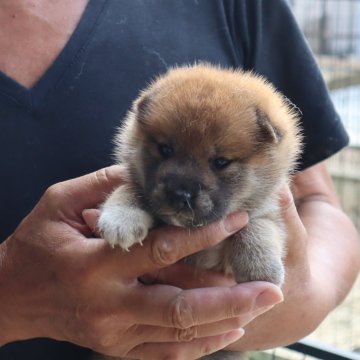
{"x":234,"y":335}
{"x":235,"y":221}
{"x":90,"y":217}
{"x":269,"y":298}
{"x":117,"y":173}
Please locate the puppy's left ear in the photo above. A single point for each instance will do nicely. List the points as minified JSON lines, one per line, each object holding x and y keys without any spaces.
{"x":267,"y":132}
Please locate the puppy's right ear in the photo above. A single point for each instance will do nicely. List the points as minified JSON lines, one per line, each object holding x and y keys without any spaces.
{"x":268,"y":133}
{"x":142,"y":107}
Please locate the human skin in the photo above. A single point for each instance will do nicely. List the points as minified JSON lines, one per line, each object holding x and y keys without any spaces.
{"x":32,"y":34}
{"x":58,"y":281}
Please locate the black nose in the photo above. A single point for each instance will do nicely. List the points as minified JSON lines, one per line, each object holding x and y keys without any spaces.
{"x":181,"y":198}
{"x":181,"y":191}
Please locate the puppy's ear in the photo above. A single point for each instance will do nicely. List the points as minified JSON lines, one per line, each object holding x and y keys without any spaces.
{"x":267,"y":132}
{"x":142,"y":107}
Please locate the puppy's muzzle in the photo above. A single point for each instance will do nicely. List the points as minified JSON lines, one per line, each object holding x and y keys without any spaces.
{"x":183,"y":200}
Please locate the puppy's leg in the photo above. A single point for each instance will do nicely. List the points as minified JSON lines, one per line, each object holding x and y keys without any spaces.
{"x":122,"y":222}
{"x":256,"y":252}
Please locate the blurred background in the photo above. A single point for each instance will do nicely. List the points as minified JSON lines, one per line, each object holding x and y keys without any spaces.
{"x":332,"y":29}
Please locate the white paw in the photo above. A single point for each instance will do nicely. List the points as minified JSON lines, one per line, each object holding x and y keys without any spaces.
{"x":124,"y":226}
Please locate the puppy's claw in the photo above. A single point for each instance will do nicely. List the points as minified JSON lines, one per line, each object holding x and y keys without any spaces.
{"x":124,"y":226}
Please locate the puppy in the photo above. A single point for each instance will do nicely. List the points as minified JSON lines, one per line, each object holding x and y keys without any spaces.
{"x":200,"y":143}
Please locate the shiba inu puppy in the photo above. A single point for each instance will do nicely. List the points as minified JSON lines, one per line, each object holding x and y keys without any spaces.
{"x":199,"y":143}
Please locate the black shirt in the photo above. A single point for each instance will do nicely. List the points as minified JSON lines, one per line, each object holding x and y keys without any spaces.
{"x":63,"y":126}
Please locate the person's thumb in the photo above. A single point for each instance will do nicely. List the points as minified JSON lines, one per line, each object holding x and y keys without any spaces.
{"x":88,"y":191}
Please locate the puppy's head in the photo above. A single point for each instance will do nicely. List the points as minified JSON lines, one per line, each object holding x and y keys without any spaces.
{"x":201,"y":142}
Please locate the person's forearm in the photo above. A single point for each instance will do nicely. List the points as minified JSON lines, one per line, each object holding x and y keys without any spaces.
{"x":334,"y":243}
{"x":334,"y":253}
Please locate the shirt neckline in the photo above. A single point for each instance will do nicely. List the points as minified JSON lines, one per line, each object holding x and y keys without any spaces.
{"x":30,"y":97}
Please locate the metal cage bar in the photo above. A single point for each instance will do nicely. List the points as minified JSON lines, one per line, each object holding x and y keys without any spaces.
{"x":322,"y":351}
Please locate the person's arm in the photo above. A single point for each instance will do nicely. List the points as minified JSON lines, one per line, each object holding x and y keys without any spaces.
{"x":321,"y":266}
{"x":58,"y":282}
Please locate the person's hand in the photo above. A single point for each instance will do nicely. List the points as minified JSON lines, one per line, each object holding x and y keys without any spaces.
{"x":57,"y":281}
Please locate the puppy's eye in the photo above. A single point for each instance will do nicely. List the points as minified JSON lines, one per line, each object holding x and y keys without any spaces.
{"x":166,"y":150}
{"x":221,"y":163}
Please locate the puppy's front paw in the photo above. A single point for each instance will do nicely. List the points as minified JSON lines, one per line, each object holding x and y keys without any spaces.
{"x":253,"y":269}
{"x":124,"y":226}
{"x":272,"y":271}
{"x":256,"y":253}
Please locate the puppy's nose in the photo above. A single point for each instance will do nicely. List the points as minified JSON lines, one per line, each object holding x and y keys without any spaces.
{"x":183,"y":195}
{"x":181,"y":198}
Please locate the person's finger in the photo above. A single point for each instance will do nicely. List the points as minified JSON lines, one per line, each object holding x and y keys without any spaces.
{"x":87,"y":191}
{"x":148,"y":333}
{"x":186,"y":276}
{"x":168,"y":306}
{"x":189,"y":350}
{"x":166,"y":246}
{"x":162,"y":247}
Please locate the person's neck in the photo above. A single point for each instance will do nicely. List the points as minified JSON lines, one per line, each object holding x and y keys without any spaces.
{"x":32,"y":34}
